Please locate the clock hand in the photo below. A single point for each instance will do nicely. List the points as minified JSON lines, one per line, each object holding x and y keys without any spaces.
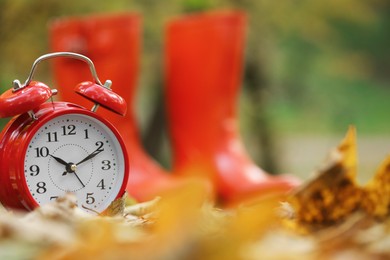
{"x":69,"y":168}
{"x":62,"y":162}
{"x":59,"y":160}
{"x":93,"y":154}
{"x":79,"y":179}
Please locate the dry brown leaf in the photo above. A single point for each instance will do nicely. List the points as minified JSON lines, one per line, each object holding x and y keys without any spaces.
{"x":116,"y":208}
{"x":376,"y":201}
{"x":183,"y":224}
{"x":333,"y":194}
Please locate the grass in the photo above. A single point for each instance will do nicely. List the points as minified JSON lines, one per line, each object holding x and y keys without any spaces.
{"x":330,"y":106}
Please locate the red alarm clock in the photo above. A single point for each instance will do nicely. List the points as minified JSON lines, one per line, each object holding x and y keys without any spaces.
{"x":52,"y":148}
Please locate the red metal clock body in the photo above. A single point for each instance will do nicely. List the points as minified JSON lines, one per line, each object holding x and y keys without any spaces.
{"x":49,"y":149}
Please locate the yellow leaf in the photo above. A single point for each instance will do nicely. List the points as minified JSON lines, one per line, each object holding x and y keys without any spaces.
{"x":377,"y":192}
{"x":332,"y":194}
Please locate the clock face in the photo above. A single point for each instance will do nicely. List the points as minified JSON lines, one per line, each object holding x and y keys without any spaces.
{"x":75,"y":153}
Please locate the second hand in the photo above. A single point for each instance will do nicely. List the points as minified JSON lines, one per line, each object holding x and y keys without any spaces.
{"x":79,"y":179}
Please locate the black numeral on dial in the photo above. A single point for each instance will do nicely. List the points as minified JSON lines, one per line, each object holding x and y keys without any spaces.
{"x":69,"y":130}
{"x":41,"y":187}
{"x":90,"y":199}
{"x":34,"y":170}
{"x":52,"y":137}
{"x":86,"y":136}
{"x":42,"y":152}
{"x":99,"y":144}
{"x":101,"y":184}
{"x":106,"y":165}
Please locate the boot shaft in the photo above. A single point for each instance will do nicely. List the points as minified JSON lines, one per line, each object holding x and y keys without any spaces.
{"x":204,"y":65}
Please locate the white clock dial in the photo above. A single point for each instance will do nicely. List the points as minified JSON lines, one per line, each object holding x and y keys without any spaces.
{"x":75,"y":153}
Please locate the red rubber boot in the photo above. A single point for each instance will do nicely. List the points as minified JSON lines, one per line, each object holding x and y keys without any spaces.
{"x":113,"y":44}
{"x":204,"y":55}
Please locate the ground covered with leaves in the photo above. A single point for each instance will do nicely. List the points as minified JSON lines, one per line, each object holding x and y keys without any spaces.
{"x":329,"y":217}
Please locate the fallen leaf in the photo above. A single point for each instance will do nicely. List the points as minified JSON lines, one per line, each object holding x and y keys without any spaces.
{"x":376,"y":201}
{"x":333,"y":193}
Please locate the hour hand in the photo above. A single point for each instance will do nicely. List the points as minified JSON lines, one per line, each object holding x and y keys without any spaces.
{"x":59,"y":160}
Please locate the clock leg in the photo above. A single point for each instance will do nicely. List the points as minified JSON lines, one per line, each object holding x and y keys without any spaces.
{"x":204,"y":55}
{"x":112,"y":42}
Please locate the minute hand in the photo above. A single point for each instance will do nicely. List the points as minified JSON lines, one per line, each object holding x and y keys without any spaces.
{"x":93,"y":154}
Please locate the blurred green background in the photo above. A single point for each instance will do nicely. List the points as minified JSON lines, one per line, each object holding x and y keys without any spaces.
{"x":312,"y":68}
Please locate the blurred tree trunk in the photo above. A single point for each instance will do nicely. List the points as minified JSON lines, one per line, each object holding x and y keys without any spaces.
{"x":256,"y":85}
{"x":155,"y":131}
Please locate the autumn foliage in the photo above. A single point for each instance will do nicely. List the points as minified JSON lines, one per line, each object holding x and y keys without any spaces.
{"x":329,"y":216}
